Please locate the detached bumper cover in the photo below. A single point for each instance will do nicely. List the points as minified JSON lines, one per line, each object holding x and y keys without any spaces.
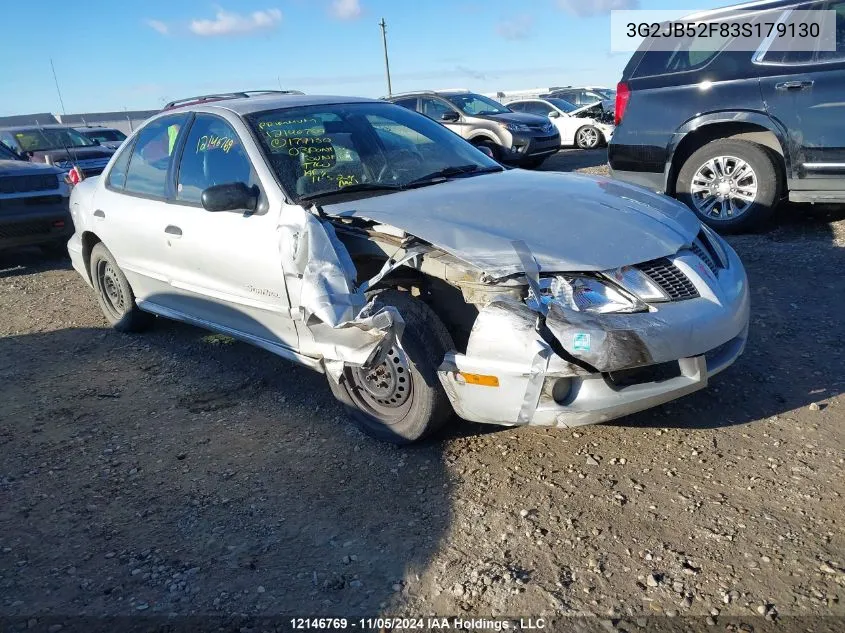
{"x":676,"y":349}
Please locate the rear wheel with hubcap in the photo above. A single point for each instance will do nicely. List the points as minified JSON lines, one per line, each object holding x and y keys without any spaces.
{"x":731,"y":185}
{"x":401,"y":400}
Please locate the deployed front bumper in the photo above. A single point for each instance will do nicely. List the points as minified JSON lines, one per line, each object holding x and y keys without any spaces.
{"x":528,"y":147}
{"x":641,"y":360}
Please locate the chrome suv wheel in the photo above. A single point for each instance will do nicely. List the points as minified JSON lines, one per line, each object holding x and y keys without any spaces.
{"x":724,"y":187}
{"x":731,"y":185}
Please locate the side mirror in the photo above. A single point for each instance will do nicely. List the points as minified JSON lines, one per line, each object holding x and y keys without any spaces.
{"x":554,"y":114}
{"x":486,"y":151}
{"x":450,"y":116}
{"x":96,"y":142}
{"x":233,"y":196}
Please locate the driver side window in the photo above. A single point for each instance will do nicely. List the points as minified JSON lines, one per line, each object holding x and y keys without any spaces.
{"x":213,"y":155}
{"x":433,"y":108}
{"x":539,"y":108}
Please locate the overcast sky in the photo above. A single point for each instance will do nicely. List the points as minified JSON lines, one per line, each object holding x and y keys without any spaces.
{"x":137,"y":55}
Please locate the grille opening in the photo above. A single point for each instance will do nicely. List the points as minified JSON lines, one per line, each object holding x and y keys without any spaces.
{"x":639,"y":375}
{"x":25,"y":184}
{"x":671,"y":280}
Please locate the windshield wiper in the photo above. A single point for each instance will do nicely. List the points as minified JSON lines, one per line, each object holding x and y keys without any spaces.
{"x":450,"y":172}
{"x":366,"y":186}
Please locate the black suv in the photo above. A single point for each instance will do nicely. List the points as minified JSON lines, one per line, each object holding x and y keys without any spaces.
{"x":732,"y":132}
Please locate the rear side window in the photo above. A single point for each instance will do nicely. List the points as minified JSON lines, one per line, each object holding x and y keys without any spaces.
{"x":685,"y":57}
{"x":117,"y":175}
{"x":148,"y":167}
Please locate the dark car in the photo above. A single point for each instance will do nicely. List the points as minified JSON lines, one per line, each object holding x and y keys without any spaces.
{"x":108,"y":137}
{"x":732,"y":132}
{"x":57,"y":145}
{"x":511,"y":137}
{"x":33,"y":204}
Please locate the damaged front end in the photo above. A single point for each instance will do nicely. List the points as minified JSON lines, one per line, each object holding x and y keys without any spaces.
{"x":555,"y":349}
{"x":558,"y":364}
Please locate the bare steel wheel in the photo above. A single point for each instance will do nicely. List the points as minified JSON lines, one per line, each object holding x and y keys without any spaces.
{"x":401,"y":400}
{"x":385,"y":390}
{"x":724,"y":187}
{"x":114,"y":294}
{"x":587,"y":137}
{"x":731,"y":185}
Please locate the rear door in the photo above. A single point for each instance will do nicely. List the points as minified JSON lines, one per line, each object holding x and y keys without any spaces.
{"x":805,"y":92}
{"x":227,"y":267}
{"x":130,"y":214}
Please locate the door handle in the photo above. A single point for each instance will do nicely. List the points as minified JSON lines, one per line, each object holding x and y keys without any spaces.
{"x":794,"y":85}
{"x":175,"y":231}
{"x":100,"y":214}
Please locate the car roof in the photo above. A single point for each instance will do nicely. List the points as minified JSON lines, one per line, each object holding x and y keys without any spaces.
{"x":268,"y":102}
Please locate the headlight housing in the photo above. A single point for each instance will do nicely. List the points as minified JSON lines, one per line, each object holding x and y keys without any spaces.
{"x":583,"y":293}
{"x":515,"y":127}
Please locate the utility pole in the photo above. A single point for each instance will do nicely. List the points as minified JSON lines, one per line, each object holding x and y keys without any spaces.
{"x":383,"y":26}
{"x":61,"y":102}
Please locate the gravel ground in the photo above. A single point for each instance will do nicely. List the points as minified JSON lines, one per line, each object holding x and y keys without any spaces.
{"x":177,"y":472}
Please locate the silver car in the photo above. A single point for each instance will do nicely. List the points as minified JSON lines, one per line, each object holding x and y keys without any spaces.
{"x":368,"y":242}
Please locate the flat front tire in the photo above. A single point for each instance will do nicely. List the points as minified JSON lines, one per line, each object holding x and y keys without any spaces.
{"x":731,"y":185}
{"x":401,"y":401}
{"x":114,"y":294}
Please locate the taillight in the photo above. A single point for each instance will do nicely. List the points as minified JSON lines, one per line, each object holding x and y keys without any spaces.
{"x":623,"y":95}
{"x":75,"y":176}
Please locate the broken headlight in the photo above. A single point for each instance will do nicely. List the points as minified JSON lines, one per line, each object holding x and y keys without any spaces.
{"x":637,"y":283}
{"x":585,"y":294}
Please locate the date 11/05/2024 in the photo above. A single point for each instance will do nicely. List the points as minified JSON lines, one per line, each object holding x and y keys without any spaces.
{"x":423,"y":624}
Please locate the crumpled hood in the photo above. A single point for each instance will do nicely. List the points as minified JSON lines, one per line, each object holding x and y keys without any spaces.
{"x":569,"y":222}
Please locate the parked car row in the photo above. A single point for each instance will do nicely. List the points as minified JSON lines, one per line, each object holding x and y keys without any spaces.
{"x":366,"y":241}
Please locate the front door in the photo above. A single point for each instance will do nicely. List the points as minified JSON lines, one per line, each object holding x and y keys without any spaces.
{"x":228,"y":269}
{"x":805,"y":92}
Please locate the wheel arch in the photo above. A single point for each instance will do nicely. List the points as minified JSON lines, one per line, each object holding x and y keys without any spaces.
{"x":753,"y":127}
{"x":89,"y":241}
{"x":482,"y":135}
{"x":445,"y":299}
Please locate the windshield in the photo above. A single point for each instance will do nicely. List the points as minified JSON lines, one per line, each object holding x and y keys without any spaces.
{"x":354,"y":148}
{"x":105,"y":136}
{"x":473,"y":104}
{"x":561,"y":104}
{"x":40,"y":139}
